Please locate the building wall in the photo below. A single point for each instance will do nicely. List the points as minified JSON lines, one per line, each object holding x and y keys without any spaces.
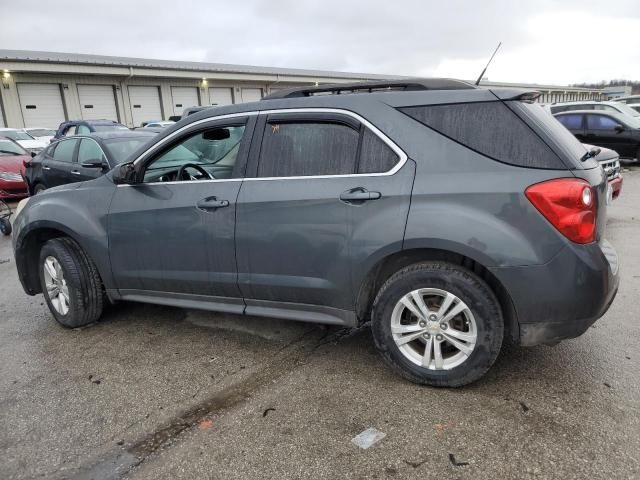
{"x":12,"y":114}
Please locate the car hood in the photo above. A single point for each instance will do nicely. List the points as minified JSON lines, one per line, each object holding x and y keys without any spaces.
{"x":32,"y":143}
{"x":13,"y":163}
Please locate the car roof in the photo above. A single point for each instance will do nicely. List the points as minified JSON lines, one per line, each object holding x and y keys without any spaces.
{"x":94,"y":122}
{"x":116,"y":134}
{"x":585,"y":102}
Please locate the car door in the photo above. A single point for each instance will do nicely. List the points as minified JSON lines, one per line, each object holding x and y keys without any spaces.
{"x":171,"y":236}
{"x":606,"y":131}
{"x":57,"y":167}
{"x":88,"y":151}
{"x":307,"y":221}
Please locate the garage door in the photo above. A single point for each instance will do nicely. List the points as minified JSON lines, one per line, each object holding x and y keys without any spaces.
{"x":41,"y":104}
{"x":251,"y":94}
{"x":184,"y":97}
{"x":97,"y":102}
{"x":145,"y":104}
{"x":220,"y":96}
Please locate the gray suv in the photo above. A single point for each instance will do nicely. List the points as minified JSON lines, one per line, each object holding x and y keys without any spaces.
{"x":452,"y":217}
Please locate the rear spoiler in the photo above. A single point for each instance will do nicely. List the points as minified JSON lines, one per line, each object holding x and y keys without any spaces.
{"x":516,"y":94}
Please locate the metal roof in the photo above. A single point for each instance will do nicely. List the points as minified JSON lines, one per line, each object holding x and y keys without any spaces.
{"x":103,"y":60}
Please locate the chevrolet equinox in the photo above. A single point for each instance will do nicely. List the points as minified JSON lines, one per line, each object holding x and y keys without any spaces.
{"x":452,"y":217}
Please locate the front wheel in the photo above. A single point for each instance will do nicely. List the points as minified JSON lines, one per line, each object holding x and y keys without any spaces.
{"x":70,"y":283}
{"x":437,"y":324}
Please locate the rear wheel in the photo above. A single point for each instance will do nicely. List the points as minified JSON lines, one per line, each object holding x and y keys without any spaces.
{"x":437,"y":324}
{"x":70,"y":283}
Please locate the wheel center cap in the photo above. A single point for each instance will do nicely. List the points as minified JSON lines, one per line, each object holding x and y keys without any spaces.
{"x":433,"y":327}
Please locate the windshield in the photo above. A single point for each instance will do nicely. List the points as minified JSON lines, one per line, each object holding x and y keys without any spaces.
{"x":121,"y":148}
{"x":41,"y":132}
{"x":16,"y":135}
{"x":106,"y":128}
{"x":10,"y":148}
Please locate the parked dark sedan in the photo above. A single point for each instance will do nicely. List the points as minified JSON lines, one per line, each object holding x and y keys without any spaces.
{"x":82,"y":157}
{"x":605,"y":129}
{"x":83,"y":127}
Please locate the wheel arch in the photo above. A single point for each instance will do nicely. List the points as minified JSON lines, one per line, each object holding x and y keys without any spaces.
{"x":28,"y":246}
{"x":394,"y":262}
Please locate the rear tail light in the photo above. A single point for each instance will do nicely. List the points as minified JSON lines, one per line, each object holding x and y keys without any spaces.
{"x":570,"y":205}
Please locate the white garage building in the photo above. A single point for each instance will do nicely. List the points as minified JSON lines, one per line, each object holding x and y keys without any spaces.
{"x":43,"y":89}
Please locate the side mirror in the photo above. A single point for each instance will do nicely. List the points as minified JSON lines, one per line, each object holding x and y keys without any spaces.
{"x":124,"y":174}
{"x":619,"y":128}
{"x":33,"y":154}
{"x":95,"y":163}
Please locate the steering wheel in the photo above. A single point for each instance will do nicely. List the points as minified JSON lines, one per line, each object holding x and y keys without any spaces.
{"x":181,"y":171}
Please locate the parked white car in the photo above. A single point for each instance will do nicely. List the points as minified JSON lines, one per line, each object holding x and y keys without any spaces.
{"x":41,"y":133}
{"x":635,"y":106}
{"x":607,"y":106}
{"x":25,"y":140}
{"x":161,"y":124}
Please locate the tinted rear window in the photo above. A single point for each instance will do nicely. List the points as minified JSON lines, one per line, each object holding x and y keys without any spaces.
{"x":489,"y":128}
{"x":375,"y":155}
{"x":309,"y":148}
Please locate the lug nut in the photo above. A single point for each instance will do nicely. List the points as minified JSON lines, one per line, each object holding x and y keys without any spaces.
{"x":439,"y":337}
{"x":433,"y":317}
{"x":427,"y":336}
{"x":443,"y":326}
{"x":423,"y":324}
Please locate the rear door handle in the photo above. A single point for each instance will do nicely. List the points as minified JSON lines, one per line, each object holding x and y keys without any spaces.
{"x":359,"y":195}
{"x":44,"y":167}
{"x":212,"y":203}
{"x":75,"y":172}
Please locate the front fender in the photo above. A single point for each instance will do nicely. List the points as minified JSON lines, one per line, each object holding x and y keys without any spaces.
{"x":78,"y":211}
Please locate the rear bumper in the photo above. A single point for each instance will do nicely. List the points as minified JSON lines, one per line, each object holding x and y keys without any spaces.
{"x":564,"y":297}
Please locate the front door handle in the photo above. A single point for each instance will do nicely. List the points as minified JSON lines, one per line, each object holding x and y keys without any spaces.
{"x":359,"y":195}
{"x":75,"y":172}
{"x":44,"y":167}
{"x":210,"y":204}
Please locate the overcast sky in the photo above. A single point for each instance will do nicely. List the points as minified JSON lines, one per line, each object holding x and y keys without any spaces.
{"x":544,"y":41}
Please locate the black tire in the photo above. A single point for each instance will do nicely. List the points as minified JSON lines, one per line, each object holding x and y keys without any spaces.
{"x":39,"y":188}
{"x":82,"y":279}
{"x":469,"y":288}
{"x":5,"y":226}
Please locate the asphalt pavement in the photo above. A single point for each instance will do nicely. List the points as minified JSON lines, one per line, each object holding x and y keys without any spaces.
{"x":154,"y":392}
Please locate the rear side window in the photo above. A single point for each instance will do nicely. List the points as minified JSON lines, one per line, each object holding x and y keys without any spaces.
{"x":572,"y":122}
{"x":600,"y":122}
{"x":489,"y":128}
{"x":375,"y":155}
{"x":307,"y":148}
{"x":64,"y":150}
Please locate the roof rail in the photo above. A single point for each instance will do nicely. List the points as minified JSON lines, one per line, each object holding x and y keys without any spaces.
{"x":370,"y":87}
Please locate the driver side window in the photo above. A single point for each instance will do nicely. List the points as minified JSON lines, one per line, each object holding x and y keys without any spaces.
{"x":209,"y":154}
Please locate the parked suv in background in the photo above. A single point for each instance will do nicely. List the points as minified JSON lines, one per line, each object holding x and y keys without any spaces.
{"x":448,"y":215}
{"x":615,"y":107}
{"x":82,"y":127}
{"x":80,"y":158}
{"x":605,"y":129}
